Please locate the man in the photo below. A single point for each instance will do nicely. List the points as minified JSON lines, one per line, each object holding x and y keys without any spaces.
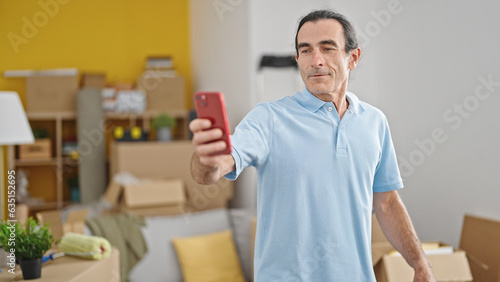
{"x":325,"y":160}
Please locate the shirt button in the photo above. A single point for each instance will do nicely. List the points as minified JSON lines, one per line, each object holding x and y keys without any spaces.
{"x":330,"y":109}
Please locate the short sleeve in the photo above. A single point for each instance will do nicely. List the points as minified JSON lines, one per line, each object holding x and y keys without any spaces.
{"x":251,"y":139}
{"x":387,"y":175}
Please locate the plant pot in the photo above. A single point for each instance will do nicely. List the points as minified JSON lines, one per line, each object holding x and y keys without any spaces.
{"x":31,"y":268}
{"x":164,"y":134}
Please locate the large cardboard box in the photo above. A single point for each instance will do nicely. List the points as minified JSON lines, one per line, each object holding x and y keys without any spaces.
{"x":163,"y":92}
{"x":481,"y":240}
{"x":51,"y":93}
{"x":172,"y":160}
{"x":148,"y":198}
{"x":393,"y":268}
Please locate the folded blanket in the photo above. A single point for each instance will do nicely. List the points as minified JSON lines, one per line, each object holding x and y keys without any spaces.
{"x":124,"y":232}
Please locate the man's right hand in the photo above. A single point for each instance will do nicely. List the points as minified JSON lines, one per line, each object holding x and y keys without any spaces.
{"x":207,"y":166}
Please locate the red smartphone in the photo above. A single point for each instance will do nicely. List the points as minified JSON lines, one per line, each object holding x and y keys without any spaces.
{"x":210,"y":105}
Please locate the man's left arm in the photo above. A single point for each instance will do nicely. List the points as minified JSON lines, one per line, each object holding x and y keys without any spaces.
{"x":396,"y":224}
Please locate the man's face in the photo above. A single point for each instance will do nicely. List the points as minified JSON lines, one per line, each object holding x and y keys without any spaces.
{"x":323,"y":63}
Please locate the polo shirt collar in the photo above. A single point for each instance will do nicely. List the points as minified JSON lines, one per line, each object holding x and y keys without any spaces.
{"x":312,"y":103}
{"x":307,"y":100}
{"x":354,"y":104}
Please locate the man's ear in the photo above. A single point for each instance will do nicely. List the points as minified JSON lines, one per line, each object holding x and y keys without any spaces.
{"x":355,"y":54}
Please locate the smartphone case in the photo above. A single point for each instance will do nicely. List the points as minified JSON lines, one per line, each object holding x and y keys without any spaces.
{"x":210,"y":105}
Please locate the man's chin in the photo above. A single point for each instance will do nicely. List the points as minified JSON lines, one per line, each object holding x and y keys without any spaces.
{"x":319,"y":90}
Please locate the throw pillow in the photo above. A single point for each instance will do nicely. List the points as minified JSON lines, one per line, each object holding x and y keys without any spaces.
{"x":160,"y":263}
{"x":209,"y":258}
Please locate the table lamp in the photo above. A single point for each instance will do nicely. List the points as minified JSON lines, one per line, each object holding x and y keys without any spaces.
{"x":14,"y":130}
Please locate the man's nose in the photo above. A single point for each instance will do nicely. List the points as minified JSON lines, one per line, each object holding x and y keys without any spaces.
{"x":317,"y":59}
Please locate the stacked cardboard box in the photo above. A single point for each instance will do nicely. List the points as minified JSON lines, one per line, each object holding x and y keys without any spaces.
{"x":389,"y":267}
{"x":148,"y":198}
{"x":169,"y":160}
{"x":165,"y":90}
{"x":477,"y":259}
{"x":481,"y":240}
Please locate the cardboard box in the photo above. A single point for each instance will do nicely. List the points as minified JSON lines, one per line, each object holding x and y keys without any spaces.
{"x":94,"y":80}
{"x":390,"y":268}
{"x":47,"y":93}
{"x":155,"y":193}
{"x":74,"y":269}
{"x":163,"y":92}
{"x":75,"y":221}
{"x":481,"y":240}
{"x":170,"y":159}
{"x":41,"y":149}
{"x":149,"y":198}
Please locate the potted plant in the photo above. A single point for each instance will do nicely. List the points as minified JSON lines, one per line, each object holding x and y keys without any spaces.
{"x":163,"y":123}
{"x":29,"y":242}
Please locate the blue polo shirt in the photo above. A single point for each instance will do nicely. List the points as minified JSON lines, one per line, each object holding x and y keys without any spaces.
{"x":316,"y":178}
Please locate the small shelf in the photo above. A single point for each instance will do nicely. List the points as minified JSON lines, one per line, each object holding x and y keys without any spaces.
{"x":52,"y":116}
{"x":42,"y":206}
{"x":47,"y":205}
{"x":145,"y":115}
{"x":108,"y":115}
{"x":68,"y":161}
{"x":36,"y":162}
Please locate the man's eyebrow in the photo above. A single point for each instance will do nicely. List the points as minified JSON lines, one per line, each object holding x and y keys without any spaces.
{"x":322,"y":42}
{"x":301,"y":45}
{"x":329,"y":42}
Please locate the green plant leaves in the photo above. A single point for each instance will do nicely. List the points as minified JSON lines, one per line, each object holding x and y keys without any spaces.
{"x":29,"y":240}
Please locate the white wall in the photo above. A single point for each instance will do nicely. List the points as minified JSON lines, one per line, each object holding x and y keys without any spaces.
{"x":220,"y":55}
{"x":420,"y":58}
{"x":429,"y":58}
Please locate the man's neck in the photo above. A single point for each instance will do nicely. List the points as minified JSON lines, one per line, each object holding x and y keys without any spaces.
{"x":339,"y":99}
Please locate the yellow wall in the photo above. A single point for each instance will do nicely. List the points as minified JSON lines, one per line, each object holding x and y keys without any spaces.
{"x":114,"y":37}
{"x":92,"y":35}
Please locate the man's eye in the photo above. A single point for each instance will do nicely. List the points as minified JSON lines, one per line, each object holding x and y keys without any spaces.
{"x":305,"y":51}
{"x":328,"y":49}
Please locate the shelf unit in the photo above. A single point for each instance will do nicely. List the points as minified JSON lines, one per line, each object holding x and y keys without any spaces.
{"x":47,"y":177}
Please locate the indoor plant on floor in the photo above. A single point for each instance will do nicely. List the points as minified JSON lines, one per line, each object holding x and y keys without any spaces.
{"x":29,"y":242}
{"x":163,"y":123}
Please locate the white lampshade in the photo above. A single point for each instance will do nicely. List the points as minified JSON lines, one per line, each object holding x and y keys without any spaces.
{"x":14,"y":125}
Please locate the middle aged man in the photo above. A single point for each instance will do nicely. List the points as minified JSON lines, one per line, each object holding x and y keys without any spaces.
{"x":325,"y":160}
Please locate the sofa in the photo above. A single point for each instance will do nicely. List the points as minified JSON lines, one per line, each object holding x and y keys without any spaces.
{"x":162,"y":261}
